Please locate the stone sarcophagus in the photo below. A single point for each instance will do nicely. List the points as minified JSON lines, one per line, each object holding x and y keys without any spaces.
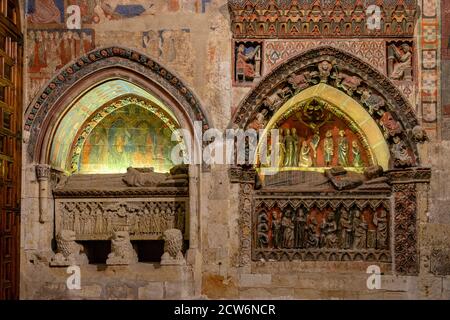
{"x":142,"y":203}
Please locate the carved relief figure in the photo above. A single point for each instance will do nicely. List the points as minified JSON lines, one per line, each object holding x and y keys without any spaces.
{"x":314,"y":145}
{"x":357,"y":161}
{"x":328,"y":146}
{"x":258,"y":123}
{"x":303,"y":80}
{"x":69,"y":252}
{"x":390,"y":125}
{"x":281,"y":149}
{"x":288,"y":230}
{"x":400,"y":154}
{"x":300,"y":228}
{"x":372,"y":101}
{"x":248,"y":63}
{"x":345,"y":230}
{"x":348,"y":82}
{"x":312,"y":236}
{"x":305,"y":156}
{"x":276,"y":231}
{"x":122,"y":252}
{"x":380,"y":220}
{"x":290,"y":146}
{"x":329,"y":229}
{"x":173,"y":244}
{"x":359,"y":230}
{"x":400,"y":62}
{"x":343,"y":149}
{"x":324,"y":71}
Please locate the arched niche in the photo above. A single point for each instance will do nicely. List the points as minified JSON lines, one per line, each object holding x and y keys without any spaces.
{"x":353,"y":115}
{"x":377,"y":208}
{"x":93,"y":89}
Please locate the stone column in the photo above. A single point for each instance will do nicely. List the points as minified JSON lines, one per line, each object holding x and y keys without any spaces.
{"x":43,"y":176}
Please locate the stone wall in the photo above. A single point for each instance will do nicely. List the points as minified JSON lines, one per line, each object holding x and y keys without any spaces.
{"x":192,"y":38}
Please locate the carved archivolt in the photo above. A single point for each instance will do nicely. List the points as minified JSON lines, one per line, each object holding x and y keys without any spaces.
{"x":372,"y":90}
{"x":99,"y":219}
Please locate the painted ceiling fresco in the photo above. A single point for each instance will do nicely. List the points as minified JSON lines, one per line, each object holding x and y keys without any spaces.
{"x":83,"y":108}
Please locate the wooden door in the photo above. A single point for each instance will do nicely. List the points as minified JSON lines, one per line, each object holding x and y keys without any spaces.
{"x":11,"y":51}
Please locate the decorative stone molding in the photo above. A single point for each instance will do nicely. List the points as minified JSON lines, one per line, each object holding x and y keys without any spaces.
{"x":337,"y":19}
{"x":122,"y":252}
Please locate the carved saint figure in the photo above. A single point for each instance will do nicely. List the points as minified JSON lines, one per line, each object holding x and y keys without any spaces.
{"x":312,"y":236}
{"x":359,"y":231}
{"x":328,"y":146}
{"x":345,"y":230}
{"x":246,"y":63}
{"x":349,"y":83}
{"x":343,"y":149}
{"x":276,"y":231}
{"x":402,"y":62}
{"x":314,"y":145}
{"x":329,"y":229}
{"x":290,"y":146}
{"x":357,"y":161}
{"x":288,"y":230}
{"x":380,"y":220}
{"x":300,"y":228}
{"x":305,"y":156}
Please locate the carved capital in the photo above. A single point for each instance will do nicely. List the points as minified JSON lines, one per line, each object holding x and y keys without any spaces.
{"x":42,"y":172}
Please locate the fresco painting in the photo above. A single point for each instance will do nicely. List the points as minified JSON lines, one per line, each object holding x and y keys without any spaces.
{"x":129,"y":137}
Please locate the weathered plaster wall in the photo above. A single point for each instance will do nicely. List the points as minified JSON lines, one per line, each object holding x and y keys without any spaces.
{"x":192,"y":38}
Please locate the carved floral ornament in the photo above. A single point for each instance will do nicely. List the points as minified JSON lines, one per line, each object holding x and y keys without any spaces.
{"x":88,"y":65}
{"x":365,"y":85}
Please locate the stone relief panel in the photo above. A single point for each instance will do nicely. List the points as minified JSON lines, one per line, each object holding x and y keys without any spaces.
{"x":248,"y":62}
{"x":278,"y":51}
{"x":173,"y":47}
{"x":142,"y":219}
{"x":322,"y":228}
{"x":400,"y":60}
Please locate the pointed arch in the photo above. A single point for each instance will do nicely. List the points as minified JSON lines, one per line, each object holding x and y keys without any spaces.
{"x":350,"y":75}
{"x":96,"y":67}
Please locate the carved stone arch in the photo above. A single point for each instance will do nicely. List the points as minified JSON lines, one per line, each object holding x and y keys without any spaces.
{"x":101,"y":65}
{"x":327,"y":75}
{"x":360,"y":81}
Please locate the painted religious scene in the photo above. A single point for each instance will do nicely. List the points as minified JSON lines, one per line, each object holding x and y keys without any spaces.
{"x":129,"y":137}
{"x":312,"y":138}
